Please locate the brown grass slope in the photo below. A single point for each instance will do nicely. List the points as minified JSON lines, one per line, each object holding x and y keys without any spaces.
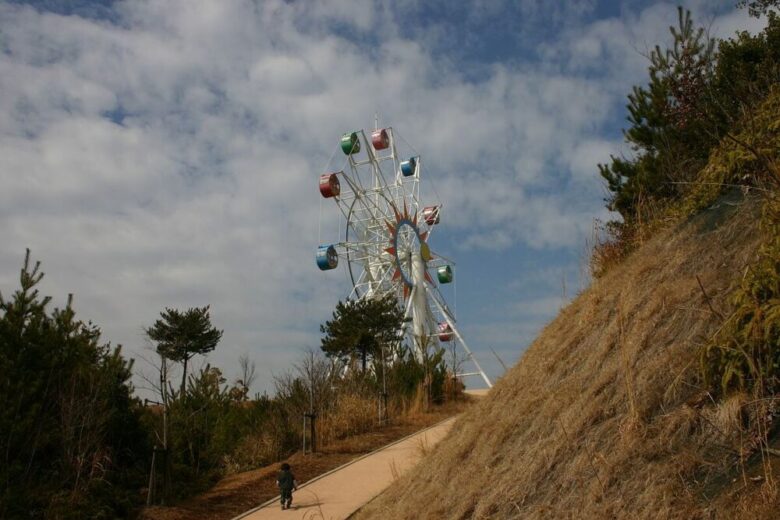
{"x":604,"y":416}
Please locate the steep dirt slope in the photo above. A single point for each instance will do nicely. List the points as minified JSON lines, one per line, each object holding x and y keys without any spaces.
{"x":604,"y":416}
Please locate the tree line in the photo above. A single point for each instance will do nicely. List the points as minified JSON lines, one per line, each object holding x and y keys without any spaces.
{"x":76,"y":442}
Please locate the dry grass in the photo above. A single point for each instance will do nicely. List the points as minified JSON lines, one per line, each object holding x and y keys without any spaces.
{"x":422,"y":446}
{"x":353,"y":415}
{"x":253,"y":451}
{"x":417,"y":404}
{"x":605,"y":416}
{"x":394,"y":471}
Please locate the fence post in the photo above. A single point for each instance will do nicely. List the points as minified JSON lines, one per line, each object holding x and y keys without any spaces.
{"x":150,"y":492}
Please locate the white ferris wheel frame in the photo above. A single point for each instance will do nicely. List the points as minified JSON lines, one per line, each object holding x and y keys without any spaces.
{"x":374,"y":193}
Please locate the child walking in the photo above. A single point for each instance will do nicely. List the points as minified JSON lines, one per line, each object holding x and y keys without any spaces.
{"x":286,"y":482}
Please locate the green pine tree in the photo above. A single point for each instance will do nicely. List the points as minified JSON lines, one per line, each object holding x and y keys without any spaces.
{"x":668,"y":133}
{"x":182,"y":335}
{"x":361,"y":328}
{"x":70,"y":432}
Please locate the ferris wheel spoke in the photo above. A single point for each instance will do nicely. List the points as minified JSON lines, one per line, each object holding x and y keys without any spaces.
{"x":373,"y":206}
{"x":385,"y":275}
{"x":364,"y":209}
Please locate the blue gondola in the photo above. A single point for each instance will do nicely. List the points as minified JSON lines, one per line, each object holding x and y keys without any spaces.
{"x":327,"y":257}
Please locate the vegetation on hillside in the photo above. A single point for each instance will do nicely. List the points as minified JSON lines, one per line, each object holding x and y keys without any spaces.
{"x":606,"y":415}
{"x":370,"y":329}
{"x":744,"y":355}
{"x":209,"y":428}
{"x":70,"y":430}
{"x":702,"y":100}
{"x":708,"y":123}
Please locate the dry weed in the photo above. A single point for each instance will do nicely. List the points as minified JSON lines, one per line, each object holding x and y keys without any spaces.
{"x":632,"y":424}
{"x":422,"y":446}
{"x":354,"y":414}
{"x":418,"y":404}
{"x":604,"y":416}
{"x":728,"y":416}
{"x":254,"y":451}
{"x":394,"y":471}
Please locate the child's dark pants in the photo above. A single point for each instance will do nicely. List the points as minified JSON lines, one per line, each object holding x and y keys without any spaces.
{"x":286,"y":497}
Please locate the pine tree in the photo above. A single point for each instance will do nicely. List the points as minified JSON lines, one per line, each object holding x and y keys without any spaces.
{"x":668,"y":131}
{"x":70,"y":434}
{"x":182,"y":335}
{"x":757,"y":8}
{"x":362,"y":327}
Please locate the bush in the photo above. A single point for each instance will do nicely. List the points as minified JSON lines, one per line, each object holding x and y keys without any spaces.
{"x":745,"y":354}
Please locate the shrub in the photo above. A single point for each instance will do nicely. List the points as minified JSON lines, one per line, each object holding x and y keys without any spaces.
{"x":745,"y":354}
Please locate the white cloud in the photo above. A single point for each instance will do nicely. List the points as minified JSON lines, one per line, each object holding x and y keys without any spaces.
{"x":580,"y":159}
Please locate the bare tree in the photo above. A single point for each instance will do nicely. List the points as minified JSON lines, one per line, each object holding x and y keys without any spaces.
{"x":248,"y":374}
{"x":310,"y":383}
{"x":308,"y":390}
{"x":161,"y":385}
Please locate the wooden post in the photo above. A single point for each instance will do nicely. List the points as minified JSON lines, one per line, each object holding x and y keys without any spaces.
{"x":313,"y":429}
{"x":384,"y":388}
{"x":150,"y":492}
{"x":166,"y":476}
{"x":165,"y":403}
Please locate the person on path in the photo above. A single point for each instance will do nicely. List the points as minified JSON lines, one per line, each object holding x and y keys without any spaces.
{"x":286,"y":482}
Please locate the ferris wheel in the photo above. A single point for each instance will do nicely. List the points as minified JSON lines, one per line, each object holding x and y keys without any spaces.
{"x":384,"y":237}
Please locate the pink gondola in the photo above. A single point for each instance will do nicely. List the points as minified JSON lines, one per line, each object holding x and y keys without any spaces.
{"x":431,"y":214}
{"x":445,"y":332}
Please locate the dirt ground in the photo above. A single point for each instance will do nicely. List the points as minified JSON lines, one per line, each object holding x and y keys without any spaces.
{"x":242,"y":491}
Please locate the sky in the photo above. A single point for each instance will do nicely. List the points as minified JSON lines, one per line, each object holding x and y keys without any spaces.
{"x":166,"y":153}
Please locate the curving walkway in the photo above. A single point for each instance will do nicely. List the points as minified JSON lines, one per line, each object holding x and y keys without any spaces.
{"x":339,"y":493}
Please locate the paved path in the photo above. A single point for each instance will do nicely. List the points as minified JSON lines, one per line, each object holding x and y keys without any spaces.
{"x":341,"y":492}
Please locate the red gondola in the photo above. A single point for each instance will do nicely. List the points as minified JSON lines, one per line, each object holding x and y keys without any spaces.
{"x":329,"y":185}
{"x":380,"y":139}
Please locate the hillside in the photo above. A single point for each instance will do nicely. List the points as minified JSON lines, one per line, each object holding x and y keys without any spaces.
{"x":605,"y":415}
